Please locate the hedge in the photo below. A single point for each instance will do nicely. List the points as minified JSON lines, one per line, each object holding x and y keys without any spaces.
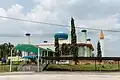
{"x":83,"y":67}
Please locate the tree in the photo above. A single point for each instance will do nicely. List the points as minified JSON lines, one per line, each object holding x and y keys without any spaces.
{"x":57,"y":47}
{"x":65,"y":49}
{"x":73,"y":32}
{"x":1,"y":51}
{"x":99,"y":52}
{"x":5,"y":50}
{"x":10,"y":46}
{"x":74,"y":49}
{"x":93,"y":55}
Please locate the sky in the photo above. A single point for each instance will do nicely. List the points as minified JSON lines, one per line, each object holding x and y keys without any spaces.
{"x":101,"y":14}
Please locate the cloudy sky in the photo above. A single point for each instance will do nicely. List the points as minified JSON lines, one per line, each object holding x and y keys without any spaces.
{"x":101,"y":14}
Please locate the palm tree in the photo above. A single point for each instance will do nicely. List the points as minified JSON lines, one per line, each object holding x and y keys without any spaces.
{"x":5,"y":50}
{"x":10,"y":46}
{"x":1,"y":51}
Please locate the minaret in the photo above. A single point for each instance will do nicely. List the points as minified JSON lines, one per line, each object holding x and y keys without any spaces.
{"x":102,"y":42}
{"x":84,"y":41}
{"x":84,"y":36}
{"x":28,"y":36}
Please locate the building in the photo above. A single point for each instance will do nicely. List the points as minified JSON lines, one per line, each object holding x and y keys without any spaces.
{"x":85,"y":47}
{"x":102,"y":43}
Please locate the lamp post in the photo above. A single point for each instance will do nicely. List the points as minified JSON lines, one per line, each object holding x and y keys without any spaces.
{"x":38,"y":63}
{"x":47,"y":56}
{"x":11,"y":60}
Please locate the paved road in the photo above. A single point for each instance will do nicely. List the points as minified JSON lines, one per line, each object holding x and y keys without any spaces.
{"x":62,"y":76}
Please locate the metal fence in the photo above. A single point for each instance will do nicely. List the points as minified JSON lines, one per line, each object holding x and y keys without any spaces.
{"x":91,"y":63}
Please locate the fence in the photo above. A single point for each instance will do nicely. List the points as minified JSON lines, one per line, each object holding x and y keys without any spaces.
{"x":91,"y":63}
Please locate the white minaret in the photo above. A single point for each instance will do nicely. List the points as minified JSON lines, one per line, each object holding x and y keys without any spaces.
{"x":84,"y":36}
{"x":102,"y":42}
{"x":84,"y":41}
{"x":88,"y":41}
{"x":28,"y":36}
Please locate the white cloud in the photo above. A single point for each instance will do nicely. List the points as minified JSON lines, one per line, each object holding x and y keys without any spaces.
{"x":96,"y":15}
{"x":107,"y":23}
{"x":112,"y":38}
{"x":102,"y":14}
{"x":15,"y":11}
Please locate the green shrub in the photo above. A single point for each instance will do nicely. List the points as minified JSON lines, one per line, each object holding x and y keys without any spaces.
{"x":14,"y":63}
{"x":63,"y":67}
{"x":53,"y":67}
{"x":82,"y":67}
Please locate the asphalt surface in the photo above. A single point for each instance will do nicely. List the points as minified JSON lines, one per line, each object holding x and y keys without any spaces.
{"x":61,"y":76}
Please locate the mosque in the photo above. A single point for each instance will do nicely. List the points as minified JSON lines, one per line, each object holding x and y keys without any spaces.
{"x":85,"y":46}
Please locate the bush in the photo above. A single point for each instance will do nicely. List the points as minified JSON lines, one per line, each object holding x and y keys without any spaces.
{"x":82,"y":67}
{"x":13,"y":62}
{"x":53,"y":67}
{"x":62,"y":67}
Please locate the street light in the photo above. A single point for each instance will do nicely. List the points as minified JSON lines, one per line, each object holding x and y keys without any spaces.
{"x":38,"y":63}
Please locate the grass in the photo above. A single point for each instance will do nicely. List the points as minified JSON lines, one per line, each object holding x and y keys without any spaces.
{"x":6,"y":68}
{"x":83,"y":67}
{"x":67,"y":67}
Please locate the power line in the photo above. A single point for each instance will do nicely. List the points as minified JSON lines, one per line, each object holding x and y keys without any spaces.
{"x":109,"y":30}
{"x":34,"y":21}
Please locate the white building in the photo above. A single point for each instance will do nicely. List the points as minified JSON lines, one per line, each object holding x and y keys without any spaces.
{"x":85,"y":47}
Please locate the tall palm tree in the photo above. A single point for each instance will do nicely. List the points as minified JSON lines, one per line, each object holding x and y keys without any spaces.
{"x":5,"y":49}
{"x":1,"y":51}
{"x":10,"y":46}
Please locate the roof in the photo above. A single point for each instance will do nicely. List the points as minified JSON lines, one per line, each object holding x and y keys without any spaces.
{"x":46,"y":44}
{"x":82,"y":58}
{"x":84,"y":44}
{"x":61,"y":36}
{"x":101,"y":35}
{"x":29,"y":48}
{"x":30,"y":57}
{"x":79,"y":44}
{"x":49,"y":49}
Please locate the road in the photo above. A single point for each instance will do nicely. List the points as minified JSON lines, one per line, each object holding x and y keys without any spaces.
{"x":61,"y":76}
